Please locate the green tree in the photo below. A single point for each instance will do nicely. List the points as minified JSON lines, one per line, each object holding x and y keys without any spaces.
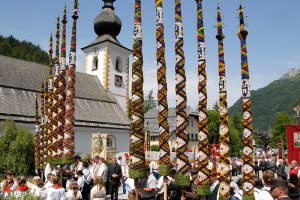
{"x":278,"y":130}
{"x":16,"y":149}
{"x":149,"y":102}
{"x":236,"y":134}
{"x":213,"y":125}
{"x":10,"y":46}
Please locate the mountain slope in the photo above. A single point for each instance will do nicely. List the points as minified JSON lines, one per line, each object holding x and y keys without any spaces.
{"x":12,"y":47}
{"x":279,"y":96}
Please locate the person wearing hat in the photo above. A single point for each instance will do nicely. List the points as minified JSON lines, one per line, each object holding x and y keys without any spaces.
{"x":279,"y":189}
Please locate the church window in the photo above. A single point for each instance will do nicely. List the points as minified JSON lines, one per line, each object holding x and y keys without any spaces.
{"x":95,"y":59}
{"x":109,"y":143}
{"x":118,"y":64}
{"x":118,"y":81}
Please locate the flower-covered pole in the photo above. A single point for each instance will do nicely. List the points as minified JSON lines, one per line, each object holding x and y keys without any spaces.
{"x":248,"y":164}
{"x":61,"y":91}
{"x":223,"y":169}
{"x":164,"y":148}
{"x":46,"y":125}
{"x":42,"y":126}
{"x":37,"y":137}
{"x":203,"y":180}
{"x":50,"y":101}
{"x":182,"y":177}
{"x":69,"y":139}
{"x":137,"y":137}
{"x":55,"y":137}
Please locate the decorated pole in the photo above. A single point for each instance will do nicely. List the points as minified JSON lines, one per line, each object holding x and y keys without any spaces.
{"x":223,"y":169}
{"x":248,"y":164}
{"x":46,"y":125}
{"x":61,"y":92}
{"x":50,"y":101}
{"x":137,"y":167}
{"x":182,"y":176}
{"x":42,"y":124}
{"x":37,"y":137}
{"x":55,"y":138}
{"x":280,"y":153}
{"x":203,"y":180}
{"x":69,"y":137}
{"x":164,"y":148}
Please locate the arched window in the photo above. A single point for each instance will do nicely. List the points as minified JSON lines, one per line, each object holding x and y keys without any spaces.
{"x":119,"y":64}
{"x":95,"y":59}
{"x":109,"y":143}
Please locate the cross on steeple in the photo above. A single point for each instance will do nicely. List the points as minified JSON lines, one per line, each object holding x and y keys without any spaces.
{"x":108,"y":4}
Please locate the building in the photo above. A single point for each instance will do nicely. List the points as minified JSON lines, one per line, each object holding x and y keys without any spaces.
{"x":101,"y":92}
{"x":151,"y":125}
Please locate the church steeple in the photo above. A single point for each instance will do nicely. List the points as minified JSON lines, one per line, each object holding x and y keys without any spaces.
{"x":106,"y":57}
{"x":107,"y":22}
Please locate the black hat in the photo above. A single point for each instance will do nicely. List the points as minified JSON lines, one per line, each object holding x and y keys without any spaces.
{"x":293,"y":191}
{"x":277,"y":182}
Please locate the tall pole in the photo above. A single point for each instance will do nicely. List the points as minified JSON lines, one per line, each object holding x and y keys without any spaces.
{"x":137,"y":137}
{"x":163,"y":124}
{"x":50,"y":101}
{"x":46,"y":125}
{"x":203,"y":181}
{"x":61,"y":91}
{"x":55,"y":144}
{"x":37,"y":137}
{"x":42,"y":124}
{"x":223,"y":169}
{"x":248,"y":164}
{"x":182,"y":177}
{"x":69,"y":137}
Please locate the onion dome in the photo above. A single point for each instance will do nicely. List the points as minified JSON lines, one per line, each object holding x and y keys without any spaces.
{"x":107,"y":22}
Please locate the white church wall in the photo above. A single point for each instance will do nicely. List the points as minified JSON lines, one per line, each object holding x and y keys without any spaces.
{"x":83,"y":137}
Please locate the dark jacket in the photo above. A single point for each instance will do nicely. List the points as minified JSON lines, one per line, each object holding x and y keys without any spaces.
{"x":114,"y":169}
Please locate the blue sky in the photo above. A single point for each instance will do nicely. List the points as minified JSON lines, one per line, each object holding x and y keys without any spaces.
{"x":273,"y":41}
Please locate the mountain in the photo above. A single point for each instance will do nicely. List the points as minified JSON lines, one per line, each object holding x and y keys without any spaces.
{"x":279,"y":96}
{"x":12,"y":47}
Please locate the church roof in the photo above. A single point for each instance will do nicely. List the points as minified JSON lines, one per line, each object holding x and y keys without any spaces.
{"x":151,"y":123}
{"x":20,"y":81}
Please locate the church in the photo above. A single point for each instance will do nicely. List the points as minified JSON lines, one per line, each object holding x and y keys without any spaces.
{"x":101,"y":94}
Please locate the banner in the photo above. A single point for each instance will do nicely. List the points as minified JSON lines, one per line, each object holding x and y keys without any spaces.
{"x":293,"y":142}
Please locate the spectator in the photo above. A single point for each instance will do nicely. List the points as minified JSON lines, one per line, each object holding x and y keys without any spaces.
{"x":98,"y":192}
{"x":114,"y":175}
{"x":294,"y":168}
{"x":267,"y":176}
{"x":9,"y":185}
{"x":259,"y":192}
{"x":73,"y":192}
{"x":22,"y":189}
{"x":214,"y":187}
{"x":149,"y":186}
{"x":279,"y":189}
{"x":37,"y":188}
{"x":56,"y":191}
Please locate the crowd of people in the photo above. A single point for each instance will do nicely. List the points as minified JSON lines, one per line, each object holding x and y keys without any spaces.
{"x":98,"y":180}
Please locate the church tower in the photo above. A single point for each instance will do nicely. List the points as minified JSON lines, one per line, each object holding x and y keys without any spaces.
{"x":106,"y":58}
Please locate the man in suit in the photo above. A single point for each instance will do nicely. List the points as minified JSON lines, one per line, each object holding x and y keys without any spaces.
{"x":279,"y":189}
{"x":214,"y":186}
{"x":114,"y":174}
